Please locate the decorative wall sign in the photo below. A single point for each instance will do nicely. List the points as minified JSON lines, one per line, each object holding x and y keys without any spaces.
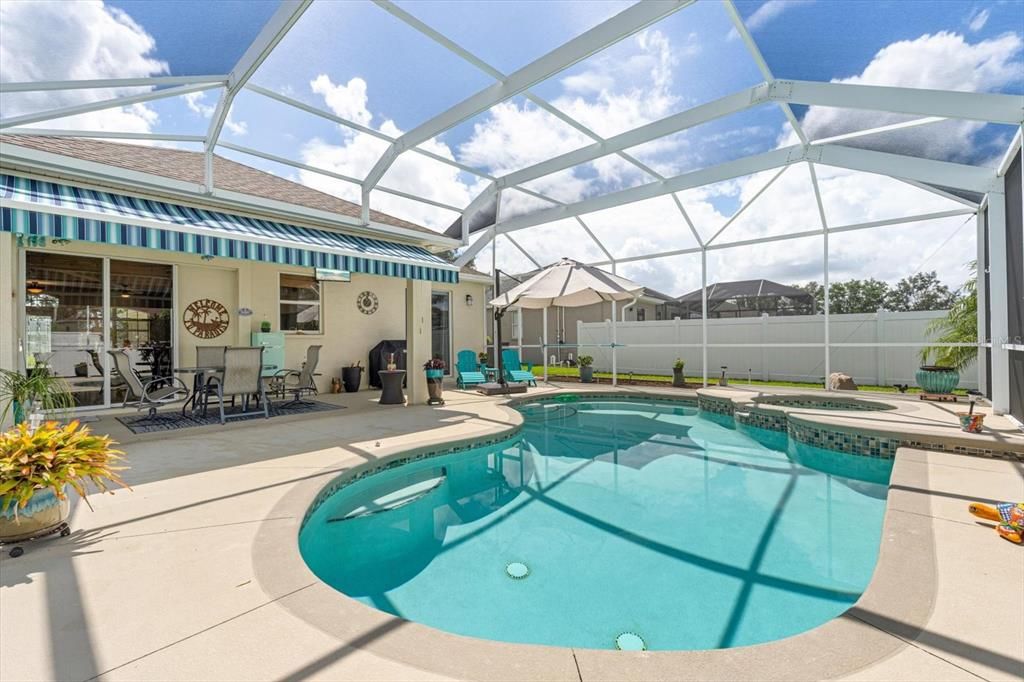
{"x":367,"y":303}
{"x":206,"y":318}
{"x":244,"y":312}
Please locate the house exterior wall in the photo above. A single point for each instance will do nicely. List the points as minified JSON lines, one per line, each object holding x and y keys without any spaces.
{"x":347,"y":334}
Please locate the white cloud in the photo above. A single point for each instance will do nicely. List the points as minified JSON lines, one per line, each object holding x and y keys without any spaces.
{"x":943,"y":61}
{"x":358,"y":152}
{"x":75,"y":41}
{"x":977,"y":20}
{"x":196,"y":102}
{"x":765,"y":14}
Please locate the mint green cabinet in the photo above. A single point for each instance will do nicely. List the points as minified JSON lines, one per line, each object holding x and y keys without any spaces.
{"x":273,"y":349}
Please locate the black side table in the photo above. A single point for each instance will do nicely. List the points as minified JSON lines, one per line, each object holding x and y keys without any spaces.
{"x":391,"y":387}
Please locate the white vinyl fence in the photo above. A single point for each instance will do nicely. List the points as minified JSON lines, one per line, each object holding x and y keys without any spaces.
{"x":804,"y":360}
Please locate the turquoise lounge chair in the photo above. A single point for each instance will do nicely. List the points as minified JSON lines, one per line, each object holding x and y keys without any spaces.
{"x":514,"y":368}
{"x":469,"y":369}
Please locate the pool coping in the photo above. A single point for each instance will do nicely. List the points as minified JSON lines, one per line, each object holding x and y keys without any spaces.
{"x":895,"y":606}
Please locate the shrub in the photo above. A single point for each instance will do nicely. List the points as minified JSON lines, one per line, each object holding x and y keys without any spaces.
{"x":678,"y":364}
{"x":586,"y":360}
{"x":55,"y":456}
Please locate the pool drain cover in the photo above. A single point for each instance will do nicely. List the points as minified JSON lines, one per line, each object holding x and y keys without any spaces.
{"x":629,"y":641}
{"x":517,"y":570}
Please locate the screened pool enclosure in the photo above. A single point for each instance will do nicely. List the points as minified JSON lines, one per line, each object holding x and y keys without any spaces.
{"x":715,"y":162}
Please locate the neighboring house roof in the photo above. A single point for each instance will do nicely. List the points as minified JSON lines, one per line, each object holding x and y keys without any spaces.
{"x":748,"y":288}
{"x":187,"y":166}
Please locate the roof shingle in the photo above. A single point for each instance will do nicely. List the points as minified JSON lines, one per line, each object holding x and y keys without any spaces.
{"x":187,"y":166}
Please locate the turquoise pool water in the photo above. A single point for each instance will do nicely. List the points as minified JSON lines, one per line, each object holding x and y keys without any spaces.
{"x":611,"y":523}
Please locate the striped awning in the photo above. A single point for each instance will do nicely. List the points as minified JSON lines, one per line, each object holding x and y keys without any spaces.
{"x":45,"y":209}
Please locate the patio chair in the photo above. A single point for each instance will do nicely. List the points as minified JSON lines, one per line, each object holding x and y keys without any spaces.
{"x":241,"y":378}
{"x":208,"y":356}
{"x":148,"y":395}
{"x":297,"y":381}
{"x":469,"y":369}
{"x":514,"y":368}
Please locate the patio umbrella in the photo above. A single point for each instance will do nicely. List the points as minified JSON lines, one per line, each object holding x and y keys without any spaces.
{"x":570,"y":284}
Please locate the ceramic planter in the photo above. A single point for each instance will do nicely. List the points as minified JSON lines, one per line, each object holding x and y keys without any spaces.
{"x":43,"y":514}
{"x":677,"y":378}
{"x":435,"y":387}
{"x":351,"y":377}
{"x":934,"y":379}
{"x":587,"y":374}
{"x":971,"y":423}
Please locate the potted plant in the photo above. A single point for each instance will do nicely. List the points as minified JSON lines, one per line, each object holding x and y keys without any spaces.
{"x":960,"y":325}
{"x":677,"y":373}
{"x":434,"y":369}
{"x":482,"y":358}
{"x":36,"y":468}
{"x":937,"y":379}
{"x":36,"y":390}
{"x":265,"y":326}
{"x":586,"y":369}
{"x":352,"y":376}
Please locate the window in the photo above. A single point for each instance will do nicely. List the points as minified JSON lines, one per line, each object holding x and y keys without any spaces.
{"x":515,"y":324}
{"x":641,"y":314}
{"x":299,"y":298}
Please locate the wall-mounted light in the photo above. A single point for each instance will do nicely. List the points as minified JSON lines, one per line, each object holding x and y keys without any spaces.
{"x":469,"y":300}
{"x":34,"y":287}
{"x":125,"y":293}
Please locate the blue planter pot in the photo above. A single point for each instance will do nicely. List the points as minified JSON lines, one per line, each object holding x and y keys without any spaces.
{"x":937,"y":379}
{"x":43,"y":513}
{"x":435,"y":373}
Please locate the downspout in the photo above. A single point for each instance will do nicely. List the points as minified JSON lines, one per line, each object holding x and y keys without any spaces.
{"x":628,"y":306}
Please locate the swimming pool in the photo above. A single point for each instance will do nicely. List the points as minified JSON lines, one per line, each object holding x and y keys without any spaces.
{"x":610,"y":524}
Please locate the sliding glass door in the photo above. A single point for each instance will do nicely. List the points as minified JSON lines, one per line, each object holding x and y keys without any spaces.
{"x":69,"y":300}
{"x":64,"y":330}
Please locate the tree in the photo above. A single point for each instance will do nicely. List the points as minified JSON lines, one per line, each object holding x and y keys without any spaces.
{"x":960,"y":325}
{"x":922,"y":291}
{"x":851,"y":296}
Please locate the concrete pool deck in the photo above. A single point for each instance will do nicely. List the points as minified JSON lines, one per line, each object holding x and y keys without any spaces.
{"x":195,"y":574}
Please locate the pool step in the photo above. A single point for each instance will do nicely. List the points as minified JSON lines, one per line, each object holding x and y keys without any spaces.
{"x":385,"y":497}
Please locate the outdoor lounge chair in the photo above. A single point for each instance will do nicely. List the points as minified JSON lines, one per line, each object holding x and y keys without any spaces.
{"x":243,"y":368}
{"x":297,"y":381}
{"x":148,"y":395}
{"x":469,"y":369}
{"x":514,"y":368}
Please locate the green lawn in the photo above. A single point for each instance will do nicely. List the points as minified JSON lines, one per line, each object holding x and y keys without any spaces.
{"x":574,"y":373}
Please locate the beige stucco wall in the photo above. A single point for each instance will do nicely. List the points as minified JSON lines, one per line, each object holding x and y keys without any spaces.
{"x":347,"y":336}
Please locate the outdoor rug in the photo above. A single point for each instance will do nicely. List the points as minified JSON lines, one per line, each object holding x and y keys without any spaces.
{"x":171,"y":420}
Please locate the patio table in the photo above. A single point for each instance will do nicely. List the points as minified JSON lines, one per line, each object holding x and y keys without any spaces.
{"x":199,"y":380}
{"x":391,"y":387}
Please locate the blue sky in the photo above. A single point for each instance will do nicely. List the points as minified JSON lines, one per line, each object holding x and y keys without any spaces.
{"x":360,"y":62}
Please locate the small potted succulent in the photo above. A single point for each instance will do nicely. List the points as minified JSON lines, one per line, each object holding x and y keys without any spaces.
{"x":482,"y":359}
{"x":36,"y":468}
{"x":678,"y":380}
{"x":434,"y":369}
{"x":586,"y":369}
{"x":265,"y":326}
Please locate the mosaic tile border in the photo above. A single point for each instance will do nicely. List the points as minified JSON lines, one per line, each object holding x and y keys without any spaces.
{"x":352,"y":476}
{"x":716,"y":405}
{"x":851,"y":404}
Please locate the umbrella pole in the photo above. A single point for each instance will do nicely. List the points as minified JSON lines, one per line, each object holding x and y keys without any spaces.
{"x":498,"y":314}
{"x":544,"y":344}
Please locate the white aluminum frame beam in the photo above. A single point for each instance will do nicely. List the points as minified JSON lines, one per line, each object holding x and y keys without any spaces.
{"x":903,"y":125}
{"x":925,"y":170}
{"x":104,"y":134}
{"x":523,"y":251}
{"x":269,"y":36}
{"x":762,"y":65}
{"x":624,"y":24}
{"x":816,"y":232}
{"x":105,"y":83}
{"x":744,"y":207}
{"x":89,"y":107}
{"x":971,"y":106}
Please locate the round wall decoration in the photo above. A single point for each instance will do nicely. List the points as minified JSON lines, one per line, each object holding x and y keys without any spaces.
{"x":206,"y":318}
{"x":367,"y":303}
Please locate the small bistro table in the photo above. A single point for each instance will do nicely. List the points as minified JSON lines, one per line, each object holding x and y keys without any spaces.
{"x":391,"y":386}
{"x":199,"y":380}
